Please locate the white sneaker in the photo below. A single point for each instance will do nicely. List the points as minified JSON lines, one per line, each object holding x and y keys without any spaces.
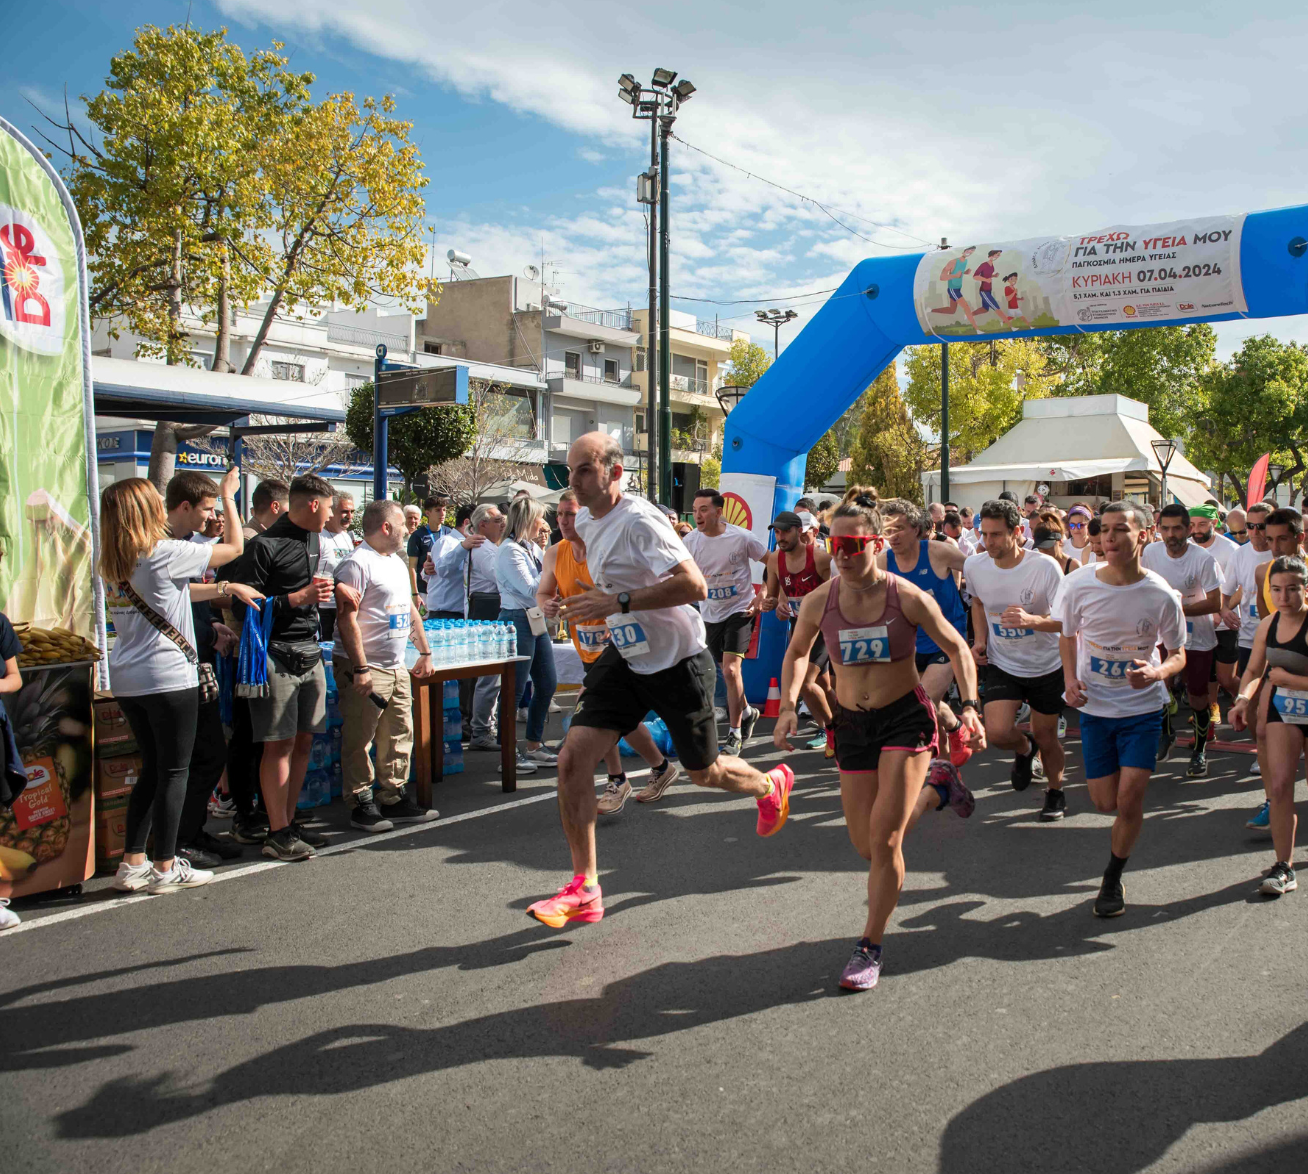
{"x":1256,"y":769}
{"x":522,"y":716}
{"x":221,"y":807}
{"x":8,"y":918}
{"x":1023,"y":714}
{"x":543,"y":755}
{"x":525,"y":766}
{"x":132,"y":878}
{"x":1062,"y":727}
{"x":181,"y":876}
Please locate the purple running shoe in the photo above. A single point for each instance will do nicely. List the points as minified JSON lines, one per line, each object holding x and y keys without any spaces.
{"x":863,"y":968}
{"x":944,"y":773}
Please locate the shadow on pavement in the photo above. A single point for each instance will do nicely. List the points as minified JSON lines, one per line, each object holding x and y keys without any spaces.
{"x":673,"y":997}
{"x":1119,"y":1117}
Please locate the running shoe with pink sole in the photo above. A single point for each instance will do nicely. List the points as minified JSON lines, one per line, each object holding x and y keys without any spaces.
{"x":945,"y":774}
{"x":863,"y":968}
{"x":774,"y":808}
{"x":576,"y":901}
{"x":959,"y":750}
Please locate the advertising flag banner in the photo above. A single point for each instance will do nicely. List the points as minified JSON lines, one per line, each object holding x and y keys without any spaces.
{"x":1120,"y":275}
{"x":48,"y":522}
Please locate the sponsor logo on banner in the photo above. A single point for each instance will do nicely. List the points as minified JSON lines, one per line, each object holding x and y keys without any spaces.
{"x":735,"y":511}
{"x":748,"y":504}
{"x":31,"y":284}
{"x":1154,"y":273}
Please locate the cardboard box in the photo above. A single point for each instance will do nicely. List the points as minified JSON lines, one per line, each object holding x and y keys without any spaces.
{"x":113,"y":736}
{"x":110,"y":831}
{"x":116,"y":777}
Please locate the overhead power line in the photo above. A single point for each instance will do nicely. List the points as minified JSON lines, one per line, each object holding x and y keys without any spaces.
{"x":824,"y":208}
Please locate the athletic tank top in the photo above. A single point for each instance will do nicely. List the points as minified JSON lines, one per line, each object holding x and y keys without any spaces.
{"x":800,"y":583}
{"x":887,"y":640}
{"x":1290,"y":655}
{"x":571,"y":574}
{"x":945,"y":592}
{"x":1267,"y":590}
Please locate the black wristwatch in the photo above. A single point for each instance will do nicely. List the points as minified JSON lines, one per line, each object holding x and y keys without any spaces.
{"x":624,"y":602}
{"x":976,"y":705}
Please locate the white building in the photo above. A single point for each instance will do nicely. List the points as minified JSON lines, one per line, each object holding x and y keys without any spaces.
{"x":1088,"y":448}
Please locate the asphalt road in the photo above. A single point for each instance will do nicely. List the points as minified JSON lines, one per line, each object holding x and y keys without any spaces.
{"x":389,"y":1005}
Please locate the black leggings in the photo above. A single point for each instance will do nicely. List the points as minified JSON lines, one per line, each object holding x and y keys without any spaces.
{"x":164,"y":726}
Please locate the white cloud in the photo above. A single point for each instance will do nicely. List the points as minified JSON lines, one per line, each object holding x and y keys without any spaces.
{"x":998,"y":123}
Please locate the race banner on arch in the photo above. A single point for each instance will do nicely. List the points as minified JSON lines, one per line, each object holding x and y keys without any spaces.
{"x":1126,"y":275}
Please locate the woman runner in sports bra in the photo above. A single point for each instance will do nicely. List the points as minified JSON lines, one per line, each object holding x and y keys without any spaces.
{"x":1280,"y":657}
{"x":885,"y":724}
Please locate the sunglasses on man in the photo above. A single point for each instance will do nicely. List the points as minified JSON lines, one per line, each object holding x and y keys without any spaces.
{"x":1238,"y":533}
{"x":1257,"y":525}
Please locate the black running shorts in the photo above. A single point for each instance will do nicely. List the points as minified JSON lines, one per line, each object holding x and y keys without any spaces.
{"x":818,"y":654}
{"x":618,"y":698}
{"x":730,"y":636}
{"x":1043,"y":694}
{"x":906,"y":724}
{"x":1228,"y":649}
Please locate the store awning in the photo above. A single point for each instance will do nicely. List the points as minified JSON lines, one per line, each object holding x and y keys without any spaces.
{"x":1188,"y":493}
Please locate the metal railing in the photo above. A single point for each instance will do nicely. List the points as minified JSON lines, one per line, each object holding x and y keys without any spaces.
{"x":713,"y":330}
{"x":587,"y":377}
{"x":686,"y":383}
{"x":614,"y":319}
{"x":359,"y":336}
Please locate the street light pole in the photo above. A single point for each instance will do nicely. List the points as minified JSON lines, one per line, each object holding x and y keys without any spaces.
{"x":776,"y":319}
{"x":659,"y":103}
{"x":1164,"y":451}
{"x":944,"y":410}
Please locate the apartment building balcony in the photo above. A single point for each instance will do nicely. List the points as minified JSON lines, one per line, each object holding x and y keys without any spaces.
{"x":588,"y":322}
{"x":595,"y":388}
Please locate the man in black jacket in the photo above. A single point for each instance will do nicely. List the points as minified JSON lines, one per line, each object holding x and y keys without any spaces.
{"x":281,"y":562}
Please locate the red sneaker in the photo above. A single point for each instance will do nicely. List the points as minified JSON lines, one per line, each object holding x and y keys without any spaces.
{"x":959,"y":750}
{"x":774,"y":808}
{"x":576,"y":901}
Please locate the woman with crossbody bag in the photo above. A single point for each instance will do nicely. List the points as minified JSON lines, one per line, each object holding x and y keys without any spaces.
{"x":153,"y":664}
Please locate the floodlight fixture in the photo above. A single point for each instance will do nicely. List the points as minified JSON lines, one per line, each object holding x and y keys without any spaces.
{"x":664,"y":78}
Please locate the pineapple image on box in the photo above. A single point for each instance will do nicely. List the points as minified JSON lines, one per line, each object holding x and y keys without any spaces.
{"x":38,"y":823}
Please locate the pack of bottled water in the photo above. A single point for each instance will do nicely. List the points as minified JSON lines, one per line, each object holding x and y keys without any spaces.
{"x":459,"y":642}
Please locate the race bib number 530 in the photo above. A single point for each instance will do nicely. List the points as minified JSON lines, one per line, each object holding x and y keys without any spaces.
{"x":628,"y":636}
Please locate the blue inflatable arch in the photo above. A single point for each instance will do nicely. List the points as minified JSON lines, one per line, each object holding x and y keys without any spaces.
{"x":1114,"y":279}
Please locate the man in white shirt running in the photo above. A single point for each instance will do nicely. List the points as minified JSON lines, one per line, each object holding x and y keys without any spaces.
{"x":377,"y":618}
{"x":1203,"y":533}
{"x":334,"y":547}
{"x":723,"y":553}
{"x":645,"y":586}
{"x":1115,"y":615}
{"x":1016,"y":639}
{"x":1193,"y":573}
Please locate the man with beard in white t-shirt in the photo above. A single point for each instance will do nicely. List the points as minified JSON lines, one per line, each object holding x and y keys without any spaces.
{"x":646,"y":585}
{"x":1203,"y":533}
{"x":1016,"y":640}
{"x":1193,"y":573}
{"x":723,"y":553}
{"x":1115,"y":614}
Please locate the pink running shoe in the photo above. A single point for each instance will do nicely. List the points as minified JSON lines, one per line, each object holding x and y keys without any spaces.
{"x":863,"y":968}
{"x":959,"y":750}
{"x":945,"y":774}
{"x":576,"y":901}
{"x":773,"y":809}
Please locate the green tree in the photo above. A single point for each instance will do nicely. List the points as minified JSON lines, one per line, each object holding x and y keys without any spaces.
{"x":163,"y":185}
{"x":1161,"y":366}
{"x":888,"y":450}
{"x":823,"y":459}
{"x":1254,"y":403}
{"x":344,"y":212}
{"x":987,"y":383}
{"x":414,"y":442}
{"x":747,"y":363}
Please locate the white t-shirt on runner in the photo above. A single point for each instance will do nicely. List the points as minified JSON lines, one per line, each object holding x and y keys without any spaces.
{"x":1033,"y":585}
{"x":725,"y":563}
{"x":1223,"y":550}
{"x":333,"y":549}
{"x":1240,"y":576}
{"x":143,"y":660}
{"x":1113,"y":626}
{"x":1194,"y":574}
{"x":630,"y":547}
{"x":382,"y":583}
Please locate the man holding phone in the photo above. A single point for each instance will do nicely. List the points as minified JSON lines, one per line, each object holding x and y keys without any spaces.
{"x":376,"y":617}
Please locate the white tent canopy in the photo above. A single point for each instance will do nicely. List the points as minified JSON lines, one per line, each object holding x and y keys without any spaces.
{"x":1076,"y":438}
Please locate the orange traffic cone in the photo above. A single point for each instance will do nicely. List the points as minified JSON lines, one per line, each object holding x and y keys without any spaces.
{"x":773,"y":707}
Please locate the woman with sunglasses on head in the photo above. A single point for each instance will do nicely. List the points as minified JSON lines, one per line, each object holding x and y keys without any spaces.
{"x":1280,"y":660}
{"x":885,"y":723}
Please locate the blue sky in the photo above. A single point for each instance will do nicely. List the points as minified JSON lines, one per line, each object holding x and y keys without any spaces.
{"x":995,"y":122}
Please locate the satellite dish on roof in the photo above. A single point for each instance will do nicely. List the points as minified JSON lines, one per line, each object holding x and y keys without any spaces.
{"x":531,"y":273}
